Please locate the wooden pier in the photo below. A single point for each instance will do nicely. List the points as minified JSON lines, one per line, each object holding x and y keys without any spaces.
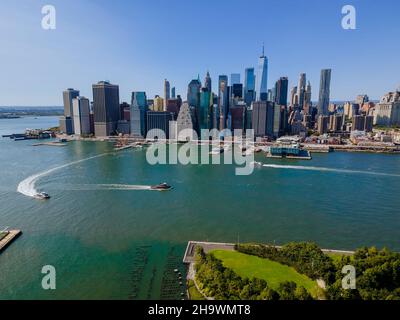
{"x":10,"y":237}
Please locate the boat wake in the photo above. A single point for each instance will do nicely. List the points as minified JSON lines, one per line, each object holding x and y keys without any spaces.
{"x":27,"y":187}
{"x":127,"y":187}
{"x":323,"y":169}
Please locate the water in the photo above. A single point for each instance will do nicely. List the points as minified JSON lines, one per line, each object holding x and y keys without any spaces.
{"x":110,"y":238}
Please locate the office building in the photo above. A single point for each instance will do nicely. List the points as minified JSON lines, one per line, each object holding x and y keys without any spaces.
{"x":387,"y":111}
{"x":185,"y":122}
{"x":249,"y":86}
{"x":167,"y":93}
{"x":323,"y":124}
{"x":158,"y":122}
{"x":301,"y":89}
{"x":263,"y":118}
{"x":235,"y":78}
{"x":207,"y":82}
{"x":173,"y":94}
{"x":237,"y":90}
{"x":139,"y":108}
{"x":105,"y":108}
{"x":223,"y":101}
{"x":281,"y":91}
{"x":67,"y":121}
{"x":158,"y":104}
{"x":81,"y":112}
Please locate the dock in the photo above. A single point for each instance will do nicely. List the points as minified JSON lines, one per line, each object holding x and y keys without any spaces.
{"x":11,"y":235}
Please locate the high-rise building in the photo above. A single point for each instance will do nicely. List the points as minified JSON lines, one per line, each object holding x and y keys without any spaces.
{"x":281,"y":91}
{"x":167,"y":93}
{"x":158,"y":122}
{"x":67,"y":121}
{"x":207,"y":82}
{"x":185,"y":122}
{"x":262,"y":78}
{"x":139,"y":109}
{"x":173,"y":96}
{"x":323,"y":124}
{"x":81,"y":111}
{"x":105,"y":108}
{"x":336,"y":122}
{"x":307,"y":99}
{"x":174,"y":105}
{"x":193,"y":93}
{"x":301,"y":89}
{"x":293,"y":97}
{"x":263,"y":118}
{"x":158,"y":104}
{"x":237,"y":117}
{"x":235,"y":78}
{"x":205,"y":108}
{"x":237,"y":90}
{"x":324,"y":91}
{"x":249,"y":86}
{"x":223,"y":100}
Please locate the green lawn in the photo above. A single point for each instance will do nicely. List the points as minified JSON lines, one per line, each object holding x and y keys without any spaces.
{"x":3,"y":234}
{"x":273,"y":272}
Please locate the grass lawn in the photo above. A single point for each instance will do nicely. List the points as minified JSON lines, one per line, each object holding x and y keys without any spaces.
{"x":3,"y":234}
{"x":336,"y":256}
{"x":194,"y":294}
{"x":273,"y":272}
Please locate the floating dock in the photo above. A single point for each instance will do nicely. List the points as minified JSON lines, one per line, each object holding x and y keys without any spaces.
{"x":10,"y":237}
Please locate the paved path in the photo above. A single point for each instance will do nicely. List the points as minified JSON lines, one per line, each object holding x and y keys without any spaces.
{"x":12,"y":234}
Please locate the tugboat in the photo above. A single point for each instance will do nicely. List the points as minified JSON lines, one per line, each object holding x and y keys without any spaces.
{"x":161,"y":187}
{"x":42,"y":196}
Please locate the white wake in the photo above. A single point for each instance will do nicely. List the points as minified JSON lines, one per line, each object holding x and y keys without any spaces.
{"x":311,"y":168}
{"x":28,"y":186}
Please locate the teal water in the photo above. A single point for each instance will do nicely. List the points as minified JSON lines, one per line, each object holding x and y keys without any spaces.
{"x":122,"y":242}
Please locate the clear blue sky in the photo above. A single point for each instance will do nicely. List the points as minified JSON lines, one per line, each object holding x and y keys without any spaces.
{"x":136,"y":44}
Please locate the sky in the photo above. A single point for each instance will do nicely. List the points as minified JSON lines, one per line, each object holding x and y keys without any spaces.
{"x":138,"y":43}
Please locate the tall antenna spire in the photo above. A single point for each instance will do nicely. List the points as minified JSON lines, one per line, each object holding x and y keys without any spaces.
{"x":263,"y":50}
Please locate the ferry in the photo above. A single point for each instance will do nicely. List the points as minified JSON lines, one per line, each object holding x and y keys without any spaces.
{"x":42,"y":196}
{"x":161,"y":187}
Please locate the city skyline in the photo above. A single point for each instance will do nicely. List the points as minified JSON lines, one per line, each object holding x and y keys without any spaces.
{"x":33,"y":55}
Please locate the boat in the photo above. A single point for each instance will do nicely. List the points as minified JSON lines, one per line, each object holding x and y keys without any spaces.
{"x":42,"y":196}
{"x":161,"y":187}
{"x":288,"y":151}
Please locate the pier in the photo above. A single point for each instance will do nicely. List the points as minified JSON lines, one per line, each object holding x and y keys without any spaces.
{"x":10,"y":236}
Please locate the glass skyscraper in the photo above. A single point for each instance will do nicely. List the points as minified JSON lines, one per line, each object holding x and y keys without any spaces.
{"x":139,"y":109}
{"x":262,"y":77}
{"x":249,"y":85}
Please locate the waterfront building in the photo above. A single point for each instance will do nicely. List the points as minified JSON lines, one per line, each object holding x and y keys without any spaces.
{"x":301,"y":89}
{"x":249,"y":86}
{"x":167,"y":93}
{"x":185,"y":120}
{"x":105,"y":108}
{"x":263,"y":118}
{"x":122,"y":107}
{"x":281,"y":91}
{"x":67,"y":121}
{"x":322,"y":124}
{"x":324,"y":91}
{"x":362,"y":123}
{"x":235,"y":78}
{"x":123,"y":127}
{"x":159,"y":121}
{"x":276,"y":127}
{"x":387,"y":111}
{"x":139,"y":108}
{"x":81,"y":112}
{"x":158,"y":104}
{"x":262,"y":78}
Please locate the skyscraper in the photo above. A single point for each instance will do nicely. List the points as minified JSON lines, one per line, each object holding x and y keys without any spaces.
{"x":173,"y":93}
{"x":307,"y":99}
{"x":167,"y":93}
{"x":301,"y":89}
{"x":81,"y":110}
{"x":207,"y":82}
{"x":67,"y":121}
{"x":139,"y":109}
{"x":235,"y":78}
{"x":249,"y":85}
{"x":281,"y":91}
{"x":223,"y":100}
{"x":262,"y":77}
{"x":324,"y":91}
{"x":105,"y":108}
{"x":205,"y":108}
{"x":263,"y":118}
